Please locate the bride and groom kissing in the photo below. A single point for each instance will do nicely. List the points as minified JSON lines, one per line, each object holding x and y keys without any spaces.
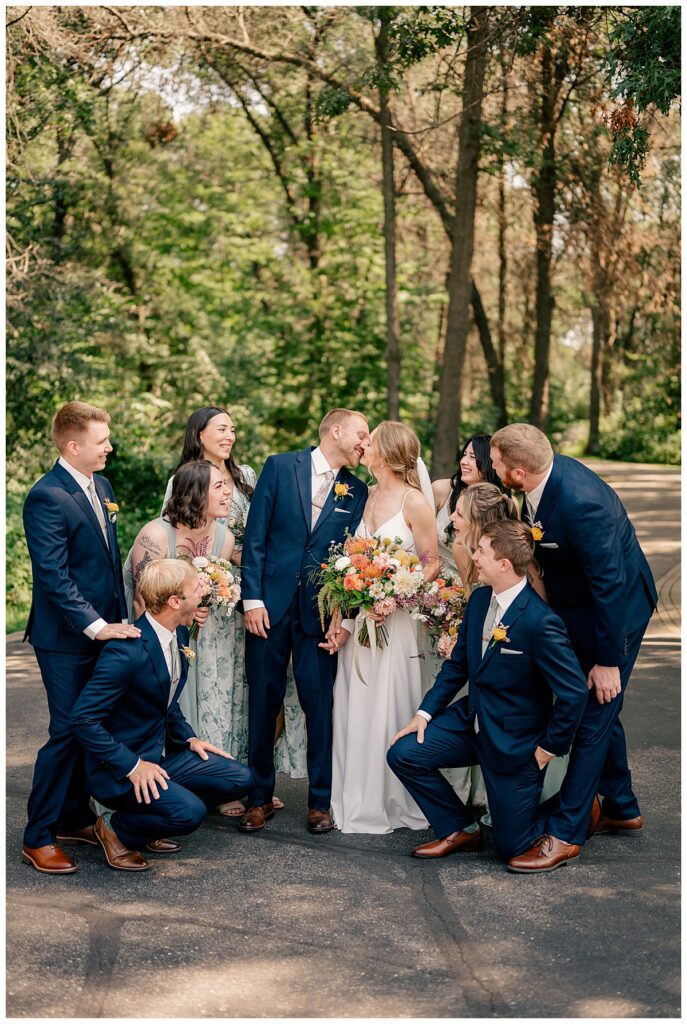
{"x":306,"y":501}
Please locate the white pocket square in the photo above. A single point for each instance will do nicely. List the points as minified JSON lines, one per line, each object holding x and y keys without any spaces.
{"x":509,"y":650}
{"x":345,"y":511}
{"x":543,"y":545}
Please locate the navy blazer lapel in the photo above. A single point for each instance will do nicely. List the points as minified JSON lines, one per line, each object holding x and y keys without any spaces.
{"x":182,"y":642}
{"x":80,"y":497}
{"x":155,"y":653}
{"x":508,"y":618}
{"x":109,"y":525}
{"x":548,"y":498}
{"x":477,"y":624}
{"x":304,"y":481}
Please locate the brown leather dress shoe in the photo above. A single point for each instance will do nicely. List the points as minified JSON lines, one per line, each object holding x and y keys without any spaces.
{"x":84,"y":835}
{"x":619,"y":826}
{"x":319,"y":822}
{"x":594,"y":817}
{"x":116,"y":853}
{"x":457,"y":842}
{"x":51,"y":860}
{"x":163,"y":846}
{"x":547,"y":854}
{"x":255,"y":817}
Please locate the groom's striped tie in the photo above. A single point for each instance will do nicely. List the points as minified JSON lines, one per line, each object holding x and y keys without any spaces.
{"x":320,"y":498}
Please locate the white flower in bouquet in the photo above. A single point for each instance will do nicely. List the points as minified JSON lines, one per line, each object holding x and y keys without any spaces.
{"x":200,"y":562}
{"x":407,"y":583}
{"x":377,"y":591}
{"x":342,"y":563}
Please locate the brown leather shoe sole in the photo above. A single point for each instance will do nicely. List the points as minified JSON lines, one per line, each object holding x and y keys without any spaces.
{"x":48,"y":871}
{"x":615,"y":828}
{"x":438,"y":849}
{"x":143,"y":866}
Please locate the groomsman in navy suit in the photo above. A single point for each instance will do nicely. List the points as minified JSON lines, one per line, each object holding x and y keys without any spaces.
{"x":600,"y":583}
{"x":78,"y":603}
{"x":128,"y":713}
{"x":516,"y":654}
{"x":303,"y":502}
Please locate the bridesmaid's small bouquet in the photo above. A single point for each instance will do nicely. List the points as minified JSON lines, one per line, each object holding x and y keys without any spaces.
{"x":364,"y":575}
{"x":221,"y":589}
{"x":441,"y":611}
{"x":238,"y":528}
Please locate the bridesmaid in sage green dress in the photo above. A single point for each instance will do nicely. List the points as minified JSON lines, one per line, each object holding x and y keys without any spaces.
{"x":215,"y":701}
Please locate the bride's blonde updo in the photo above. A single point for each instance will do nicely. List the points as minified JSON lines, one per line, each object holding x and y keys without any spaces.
{"x":399,"y":448}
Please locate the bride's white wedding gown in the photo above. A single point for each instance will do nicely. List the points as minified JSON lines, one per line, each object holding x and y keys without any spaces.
{"x":366,"y":795}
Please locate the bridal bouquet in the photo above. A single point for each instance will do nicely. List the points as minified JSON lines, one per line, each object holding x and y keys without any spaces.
{"x":221,"y":589}
{"x":443,"y":603}
{"x":364,"y":575}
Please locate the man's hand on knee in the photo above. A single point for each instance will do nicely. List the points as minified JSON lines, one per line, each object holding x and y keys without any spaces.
{"x":200,"y":747}
{"x":145,"y":779}
{"x":418,"y":724}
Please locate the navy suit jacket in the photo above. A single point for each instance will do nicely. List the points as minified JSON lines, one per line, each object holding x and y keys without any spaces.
{"x":513,"y":685}
{"x":76,"y":578}
{"x":596,"y":575}
{"x":279,"y":549}
{"x":122,"y":714}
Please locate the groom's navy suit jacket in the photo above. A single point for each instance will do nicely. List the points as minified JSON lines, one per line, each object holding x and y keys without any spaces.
{"x":122,"y":712}
{"x":512,"y":686}
{"x":76,"y":578}
{"x":280,"y":551}
{"x":596,"y":575}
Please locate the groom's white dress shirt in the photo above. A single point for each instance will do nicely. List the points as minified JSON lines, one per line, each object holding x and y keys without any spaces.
{"x":319,"y":467}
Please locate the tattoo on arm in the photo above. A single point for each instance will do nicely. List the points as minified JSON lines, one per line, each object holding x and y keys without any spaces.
{"x":140,"y":566}
{"x":148,"y":544}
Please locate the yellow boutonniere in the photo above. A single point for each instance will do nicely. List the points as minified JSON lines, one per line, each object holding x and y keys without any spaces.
{"x":188,"y":652}
{"x":499,"y":635}
{"x":537,"y":531}
{"x":342,"y":491}
{"x":112,"y":508}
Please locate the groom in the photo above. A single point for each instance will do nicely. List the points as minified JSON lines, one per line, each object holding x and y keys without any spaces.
{"x":303,"y":502}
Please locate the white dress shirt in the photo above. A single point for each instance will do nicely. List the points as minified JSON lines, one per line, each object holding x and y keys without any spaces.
{"x":83,"y":482}
{"x":534,"y":497}
{"x":319,"y":467}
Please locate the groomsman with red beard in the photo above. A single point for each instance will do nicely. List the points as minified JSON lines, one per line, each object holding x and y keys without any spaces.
{"x":599,"y":582}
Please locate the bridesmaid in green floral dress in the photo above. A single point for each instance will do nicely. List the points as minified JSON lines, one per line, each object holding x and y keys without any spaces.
{"x":217,"y":707}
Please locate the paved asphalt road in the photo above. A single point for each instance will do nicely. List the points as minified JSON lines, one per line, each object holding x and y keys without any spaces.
{"x":284,"y":924}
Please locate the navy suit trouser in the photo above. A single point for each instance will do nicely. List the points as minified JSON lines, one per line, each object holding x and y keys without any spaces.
{"x":598,"y":764}
{"x":59,"y":797}
{"x":314,"y":671}
{"x":194,"y":785}
{"x":451,"y":742}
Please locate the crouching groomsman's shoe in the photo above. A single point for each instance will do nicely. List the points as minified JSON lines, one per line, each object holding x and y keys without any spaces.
{"x":85,"y":835}
{"x":457,"y":842}
{"x":547,"y":854}
{"x":116,"y":853}
{"x":618,"y":826}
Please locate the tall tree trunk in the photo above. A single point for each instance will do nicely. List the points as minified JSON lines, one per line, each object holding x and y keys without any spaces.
{"x":544,"y":189}
{"x":593,"y":442}
{"x":450,"y":389}
{"x":393,"y":330}
{"x":495,"y":365}
{"x":502,"y":221}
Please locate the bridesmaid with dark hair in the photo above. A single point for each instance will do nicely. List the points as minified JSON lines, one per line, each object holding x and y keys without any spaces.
{"x":218,"y":707}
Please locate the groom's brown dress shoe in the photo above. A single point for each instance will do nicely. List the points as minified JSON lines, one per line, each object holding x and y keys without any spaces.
{"x":619,"y":826}
{"x":594,"y":817}
{"x":255,"y":817}
{"x":547,"y":854}
{"x":50,"y":860}
{"x":319,"y":822}
{"x":457,"y":842}
{"x":163,"y":846}
{"x":84,"y":835}
{"x":116,"y":853}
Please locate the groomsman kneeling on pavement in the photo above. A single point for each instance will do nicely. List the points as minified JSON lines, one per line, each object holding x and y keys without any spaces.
{"x":128,"y":713}
{"x":516,"y":653}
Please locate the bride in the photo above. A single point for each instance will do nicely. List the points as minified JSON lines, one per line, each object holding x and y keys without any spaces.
{"x":366,"y":796}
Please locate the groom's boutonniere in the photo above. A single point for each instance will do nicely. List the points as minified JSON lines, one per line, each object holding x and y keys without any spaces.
{"x":188,"y":653}
{"x":499,"y":635}
{"x":537,"y":531}
{"x":112,"y":508}
{"x":342,"y":491}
